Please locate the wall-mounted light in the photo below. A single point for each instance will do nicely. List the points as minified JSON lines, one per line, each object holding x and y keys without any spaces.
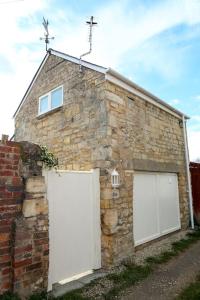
{"x":115,"y":179}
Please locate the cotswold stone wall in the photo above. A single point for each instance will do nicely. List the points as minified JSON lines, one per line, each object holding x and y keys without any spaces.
{"x":142,"y":137}
{"x":76,"y":133}
{"x":23,"y":221}
{"x":101,"y":125}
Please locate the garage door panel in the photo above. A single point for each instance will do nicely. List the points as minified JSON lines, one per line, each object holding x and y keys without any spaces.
{"x":155,"y":205}
{"x":169,"y":203}
{"x":145,"y":228}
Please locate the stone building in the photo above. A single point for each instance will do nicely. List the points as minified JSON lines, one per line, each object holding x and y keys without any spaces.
{"x":96,"y":118}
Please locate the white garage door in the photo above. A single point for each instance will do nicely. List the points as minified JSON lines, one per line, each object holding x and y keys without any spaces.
{"x":74,"y":224}
{"x":155,"y":205}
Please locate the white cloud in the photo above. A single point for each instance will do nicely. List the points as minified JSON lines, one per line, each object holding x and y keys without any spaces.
{"x":197,"y":97}
{"x":121,"y":30}
{"x":15,"y":49}
{"x":175,"y":101}
{"x":196,"y":118}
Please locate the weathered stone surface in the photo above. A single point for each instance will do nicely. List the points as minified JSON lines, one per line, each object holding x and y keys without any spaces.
{"x":110,"y":221}
{"x":114,"y":97}
{"x":23,"y":237}
{"x":34,"y":207}
{"x":102,"y":125}
{"x":149,"y":165}
{"x":35,"y":185}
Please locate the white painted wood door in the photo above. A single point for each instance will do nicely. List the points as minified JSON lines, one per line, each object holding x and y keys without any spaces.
{"x":155,"y":205}
{"x":74,"y":224}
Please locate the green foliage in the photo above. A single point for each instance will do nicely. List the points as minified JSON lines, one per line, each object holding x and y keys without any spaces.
{"x":130,"y":276}
{"x":72,"y":296}
{"x":162,"y":258}
{"x":183,"y":244}
{"x":177,"y":247}
{"x":48,"y":158}
{"x":192,"y":292}
{"x":40,"y":296}
{"x":9,"y":296}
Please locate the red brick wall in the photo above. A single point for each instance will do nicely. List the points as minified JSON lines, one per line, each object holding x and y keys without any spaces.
{"x":24,"y":240}
{"x":11,"y":193}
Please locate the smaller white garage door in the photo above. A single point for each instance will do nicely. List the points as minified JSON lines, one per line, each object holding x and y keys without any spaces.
{"x":155,"y":205}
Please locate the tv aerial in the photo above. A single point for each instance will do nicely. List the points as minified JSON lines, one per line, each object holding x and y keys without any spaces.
{"x":46,"y":34}
{"x":91,"y":23}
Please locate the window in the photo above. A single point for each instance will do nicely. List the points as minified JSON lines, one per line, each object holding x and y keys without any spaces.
{"x":51,"y":100}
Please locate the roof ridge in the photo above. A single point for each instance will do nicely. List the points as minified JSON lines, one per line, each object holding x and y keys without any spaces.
{"x":52,"y":51}
{"x":110,"y":75}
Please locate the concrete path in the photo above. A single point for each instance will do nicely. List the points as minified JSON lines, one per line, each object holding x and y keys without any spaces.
{"x":169,"y":279}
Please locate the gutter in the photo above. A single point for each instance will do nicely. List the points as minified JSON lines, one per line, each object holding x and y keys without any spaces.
{"x":189,"y":190}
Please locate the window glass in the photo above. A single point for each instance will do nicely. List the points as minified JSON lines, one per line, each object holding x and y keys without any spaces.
{"x":43,"y":104}
{"x":56,"y":98}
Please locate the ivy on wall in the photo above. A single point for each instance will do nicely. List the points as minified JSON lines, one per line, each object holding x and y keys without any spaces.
{"x":48,"y":158}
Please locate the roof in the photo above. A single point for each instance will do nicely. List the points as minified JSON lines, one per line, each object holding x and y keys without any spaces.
{"x":110,"y":75}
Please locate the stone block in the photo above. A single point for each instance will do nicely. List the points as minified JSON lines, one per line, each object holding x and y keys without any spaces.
{"x":106,"y":193}
{"x":34,"y":207}
{"x":114,"y":97}
{"x":67,"y":140}
{"x":110,"y":221}
{"x":113,"y":122}
{"x":35,"y":184}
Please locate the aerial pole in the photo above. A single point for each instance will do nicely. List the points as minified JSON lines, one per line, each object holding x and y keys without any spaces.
{"x":46,"y":34}
{"x":91,"y":23}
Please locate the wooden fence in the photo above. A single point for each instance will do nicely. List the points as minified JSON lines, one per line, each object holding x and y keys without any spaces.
{"x":195,"y":180}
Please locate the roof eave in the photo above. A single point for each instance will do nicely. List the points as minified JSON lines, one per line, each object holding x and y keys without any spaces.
{"x":73,"y":59}
{"x":76,"y":60}
{"x":108,"y":72}
{"x":32,"y":82}
{"x":144,"y":92}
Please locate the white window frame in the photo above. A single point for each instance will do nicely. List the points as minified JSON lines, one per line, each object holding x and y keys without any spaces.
{"x":49,"y":101}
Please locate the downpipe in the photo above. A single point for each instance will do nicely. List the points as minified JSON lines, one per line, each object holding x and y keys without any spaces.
{"x":189,"y":190}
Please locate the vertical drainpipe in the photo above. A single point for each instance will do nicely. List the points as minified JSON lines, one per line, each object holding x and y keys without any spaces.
{"x":189,"y":190}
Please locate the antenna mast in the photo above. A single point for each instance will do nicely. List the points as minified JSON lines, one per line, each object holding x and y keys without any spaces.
{"x":46,"y":34}
{"x":91,"y":23}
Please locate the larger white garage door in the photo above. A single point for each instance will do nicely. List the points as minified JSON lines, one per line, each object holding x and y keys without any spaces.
{"x":74,"y":224}
{"x":155,"y":205}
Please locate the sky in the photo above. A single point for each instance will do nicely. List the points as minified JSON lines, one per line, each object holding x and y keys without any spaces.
{"x":155,"y":43}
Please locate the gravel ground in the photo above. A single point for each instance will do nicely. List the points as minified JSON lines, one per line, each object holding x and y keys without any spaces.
{"x":166,"y":282}
{"x":157,"y":247}
{"x":101,"y":286}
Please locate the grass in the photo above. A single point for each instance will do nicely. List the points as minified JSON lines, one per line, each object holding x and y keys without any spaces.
{"x":192,"y":292}
{"x":134,"y":273}
{"x":74,"y":295}
{"x":9,"y":296}
{"x":130,"y":276}
{"x":177,"y":247}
